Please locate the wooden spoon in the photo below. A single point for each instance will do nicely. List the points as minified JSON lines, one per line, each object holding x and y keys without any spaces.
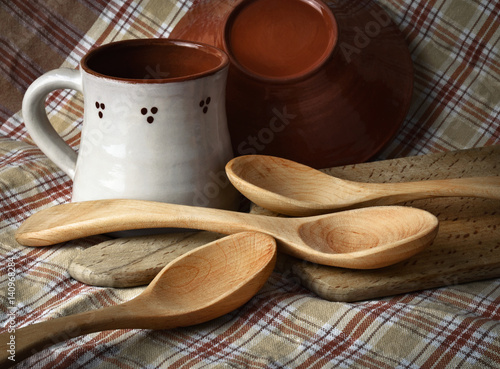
{"x":290,"y":188}
{"x":362,"y":238}
{"x":201,"y":285}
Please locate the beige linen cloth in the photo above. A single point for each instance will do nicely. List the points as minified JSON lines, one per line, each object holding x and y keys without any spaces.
{"x":456,"y":104}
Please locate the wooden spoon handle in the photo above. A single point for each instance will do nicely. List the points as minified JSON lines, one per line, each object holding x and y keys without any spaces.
{"x":29,"y":340}
{"x":487,"y":187}
{"x":66,"y":222}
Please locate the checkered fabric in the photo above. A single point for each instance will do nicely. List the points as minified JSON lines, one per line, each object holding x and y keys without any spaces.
{"x":456,"y":104}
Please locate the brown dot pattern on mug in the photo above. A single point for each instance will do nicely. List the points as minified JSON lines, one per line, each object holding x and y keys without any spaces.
{"x":204,"y":104}
{"x":100,"y":107}
{"x":150,"y":119}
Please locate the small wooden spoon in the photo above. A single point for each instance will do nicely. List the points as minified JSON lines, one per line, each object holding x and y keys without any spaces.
{"x":203,"y":284}
{"x":362,"y":238}
{"x":290,"y":188}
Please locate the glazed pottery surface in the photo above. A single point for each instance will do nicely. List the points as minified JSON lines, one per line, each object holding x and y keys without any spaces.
{"x":154,"y":124}
{"x":323,"y":83}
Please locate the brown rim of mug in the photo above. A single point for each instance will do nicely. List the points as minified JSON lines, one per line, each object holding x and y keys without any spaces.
{"x":220,"y":59}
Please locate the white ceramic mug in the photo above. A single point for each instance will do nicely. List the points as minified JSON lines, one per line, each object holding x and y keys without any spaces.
{"x":154,"y":123}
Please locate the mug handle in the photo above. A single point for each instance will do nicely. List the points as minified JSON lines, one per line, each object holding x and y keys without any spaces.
{"x":35,"y":118}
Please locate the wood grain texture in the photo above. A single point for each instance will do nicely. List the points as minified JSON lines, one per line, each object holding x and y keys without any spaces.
{"x":133,"y":261}
{"x":467,"y":247}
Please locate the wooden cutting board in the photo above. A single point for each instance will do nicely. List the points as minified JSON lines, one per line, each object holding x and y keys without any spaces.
{"x":466,"y":249}
{"x":133,"y":261}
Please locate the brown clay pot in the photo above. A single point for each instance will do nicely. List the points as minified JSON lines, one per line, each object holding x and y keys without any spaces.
{"x":323,"y":83}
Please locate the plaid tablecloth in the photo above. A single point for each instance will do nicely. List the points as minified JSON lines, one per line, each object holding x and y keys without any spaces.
{"x":456,"y":104}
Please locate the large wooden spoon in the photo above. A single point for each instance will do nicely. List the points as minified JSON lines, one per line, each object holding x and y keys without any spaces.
{"x":290,"y":188}
{"x":362,"y":238}
{"x":201,"y":285}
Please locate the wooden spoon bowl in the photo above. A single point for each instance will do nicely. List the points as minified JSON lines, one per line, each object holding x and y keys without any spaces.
{"x":363,"y":233}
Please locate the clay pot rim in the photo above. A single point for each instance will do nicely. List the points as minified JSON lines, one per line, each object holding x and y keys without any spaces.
{"x":209,"y":49}
{"x":330,"y":49}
